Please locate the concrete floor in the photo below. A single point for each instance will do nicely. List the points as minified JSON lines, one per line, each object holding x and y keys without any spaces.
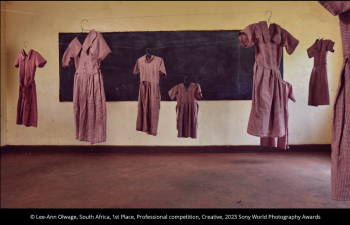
{"x":170,"y":180}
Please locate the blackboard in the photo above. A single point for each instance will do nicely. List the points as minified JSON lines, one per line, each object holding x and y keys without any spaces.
{"x":213,"y":59}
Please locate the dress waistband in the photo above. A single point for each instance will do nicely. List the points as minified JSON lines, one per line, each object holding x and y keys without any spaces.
{"x":24,"y":94}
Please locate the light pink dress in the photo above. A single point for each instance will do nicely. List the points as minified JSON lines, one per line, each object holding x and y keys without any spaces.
{"x":27,"y":109}
{"x":149,"y":94}
{"x":267,"y":112}
{"x":89,"y":100}
{"x":186,"y":108}
{"x":281,"y":142}
{"x":340,"y":170}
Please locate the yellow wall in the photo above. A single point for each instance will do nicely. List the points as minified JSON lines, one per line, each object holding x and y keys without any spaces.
{"x":220,"y":122}
{"x":3,"y":80}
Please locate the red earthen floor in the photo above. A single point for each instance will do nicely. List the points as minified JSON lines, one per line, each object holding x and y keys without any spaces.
{"x":170,"y":180}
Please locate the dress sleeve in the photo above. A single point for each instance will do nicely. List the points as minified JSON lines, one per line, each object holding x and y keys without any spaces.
{"x":67,"y":58}
{"x":330,"y":46}
{"x":289,"y":42}
{"x":336,"y":7}
{"x":39,"y":61}
{"x":310,"y":51}
{"x":199,"y":92}
{"x":137,"y":68}
{"x":291,"y":95}
{"x":100,"y":48}
{"x":17,"y":61}
{"x":162,"y":68}
{"x":173,"y":92}
{"x":247,"y":36}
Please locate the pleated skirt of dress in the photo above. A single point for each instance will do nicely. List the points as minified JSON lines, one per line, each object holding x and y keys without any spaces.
{"x":267,"y":113}
{"x":89,"y":103}
{"x":187,"y":119}
{"x":318,"y":86}
{"x":340,"y":169}
{"x":148,"y":108}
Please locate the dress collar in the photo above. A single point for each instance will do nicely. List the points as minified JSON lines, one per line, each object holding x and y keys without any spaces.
{"x":87,"y":42}
{"x":318,"y":45}
{"x":150,"y":60}
{"x":26,"y":55}
{"x":189,"y":87}
{"x":272,"y":33}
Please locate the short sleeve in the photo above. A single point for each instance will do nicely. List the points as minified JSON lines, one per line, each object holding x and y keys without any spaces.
{"x":330,"y":46}
{"x":199,"y":92}
{"x":247,"y":36}
{"x":291,"y":95}
{"x":67,"y":58}
{"x":310,"y":51}
{"x":100,"y":48}
{"x":137,"y":68}
{"x":39,"y":60}
{"x":162,"y":68}
{"x":173,"y":92}
{"x":289,"y":42}
{"x":17,"y":60}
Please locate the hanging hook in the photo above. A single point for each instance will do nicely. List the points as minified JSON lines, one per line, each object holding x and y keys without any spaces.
{"x":318,"y":36}
{"x":25,"y":44}
{"x":82,"y":30}
{"x":147,"y":51}
{"x":185,"y":79}
{"x":270,"y":16}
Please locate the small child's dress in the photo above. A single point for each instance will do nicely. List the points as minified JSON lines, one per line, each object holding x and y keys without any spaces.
{"x":318,"y":86}
{"x":186,"y":108}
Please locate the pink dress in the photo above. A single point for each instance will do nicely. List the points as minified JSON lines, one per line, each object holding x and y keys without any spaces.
{"x":281,"y":142}
{"x":318,"y":86}
{"x":186,"y":108}
{"x":267,"y":113}
{"x":27,"y":109}
{"x":149,"y":94}
{"x":89,"y":100}
{"x":340,"y":170}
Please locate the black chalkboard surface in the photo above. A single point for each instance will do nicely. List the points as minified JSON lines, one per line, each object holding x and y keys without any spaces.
{"x":213,"y":59}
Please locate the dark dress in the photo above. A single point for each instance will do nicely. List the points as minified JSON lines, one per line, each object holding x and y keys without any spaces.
{"x":340,"y":169}
{"x":186,"y":108}
{"x":318,"y":85}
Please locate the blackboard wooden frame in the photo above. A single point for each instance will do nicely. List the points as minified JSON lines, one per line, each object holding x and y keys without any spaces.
{"x":213,"y":59}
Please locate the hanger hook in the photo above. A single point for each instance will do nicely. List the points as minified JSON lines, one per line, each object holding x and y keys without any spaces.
{"x":318,"y":36}
{"x":25,"y":44}
{"x":270,"y":15}
{"x":82,"y":25}
{"x":185,"y":79}
{"x":147,"y":51}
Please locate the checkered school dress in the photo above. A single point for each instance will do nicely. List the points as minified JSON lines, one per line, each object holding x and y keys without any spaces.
{"x":89,"y":100}
{"x":340,"y":169}
{"x":267,"y":112}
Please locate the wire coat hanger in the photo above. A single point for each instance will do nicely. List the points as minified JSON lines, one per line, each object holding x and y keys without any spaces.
{"x":269,"y":17}
{"x":82,"y":30}
{"x":25,"y":47}
{"x":149,"y":55}
{"x":185,"y":81}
